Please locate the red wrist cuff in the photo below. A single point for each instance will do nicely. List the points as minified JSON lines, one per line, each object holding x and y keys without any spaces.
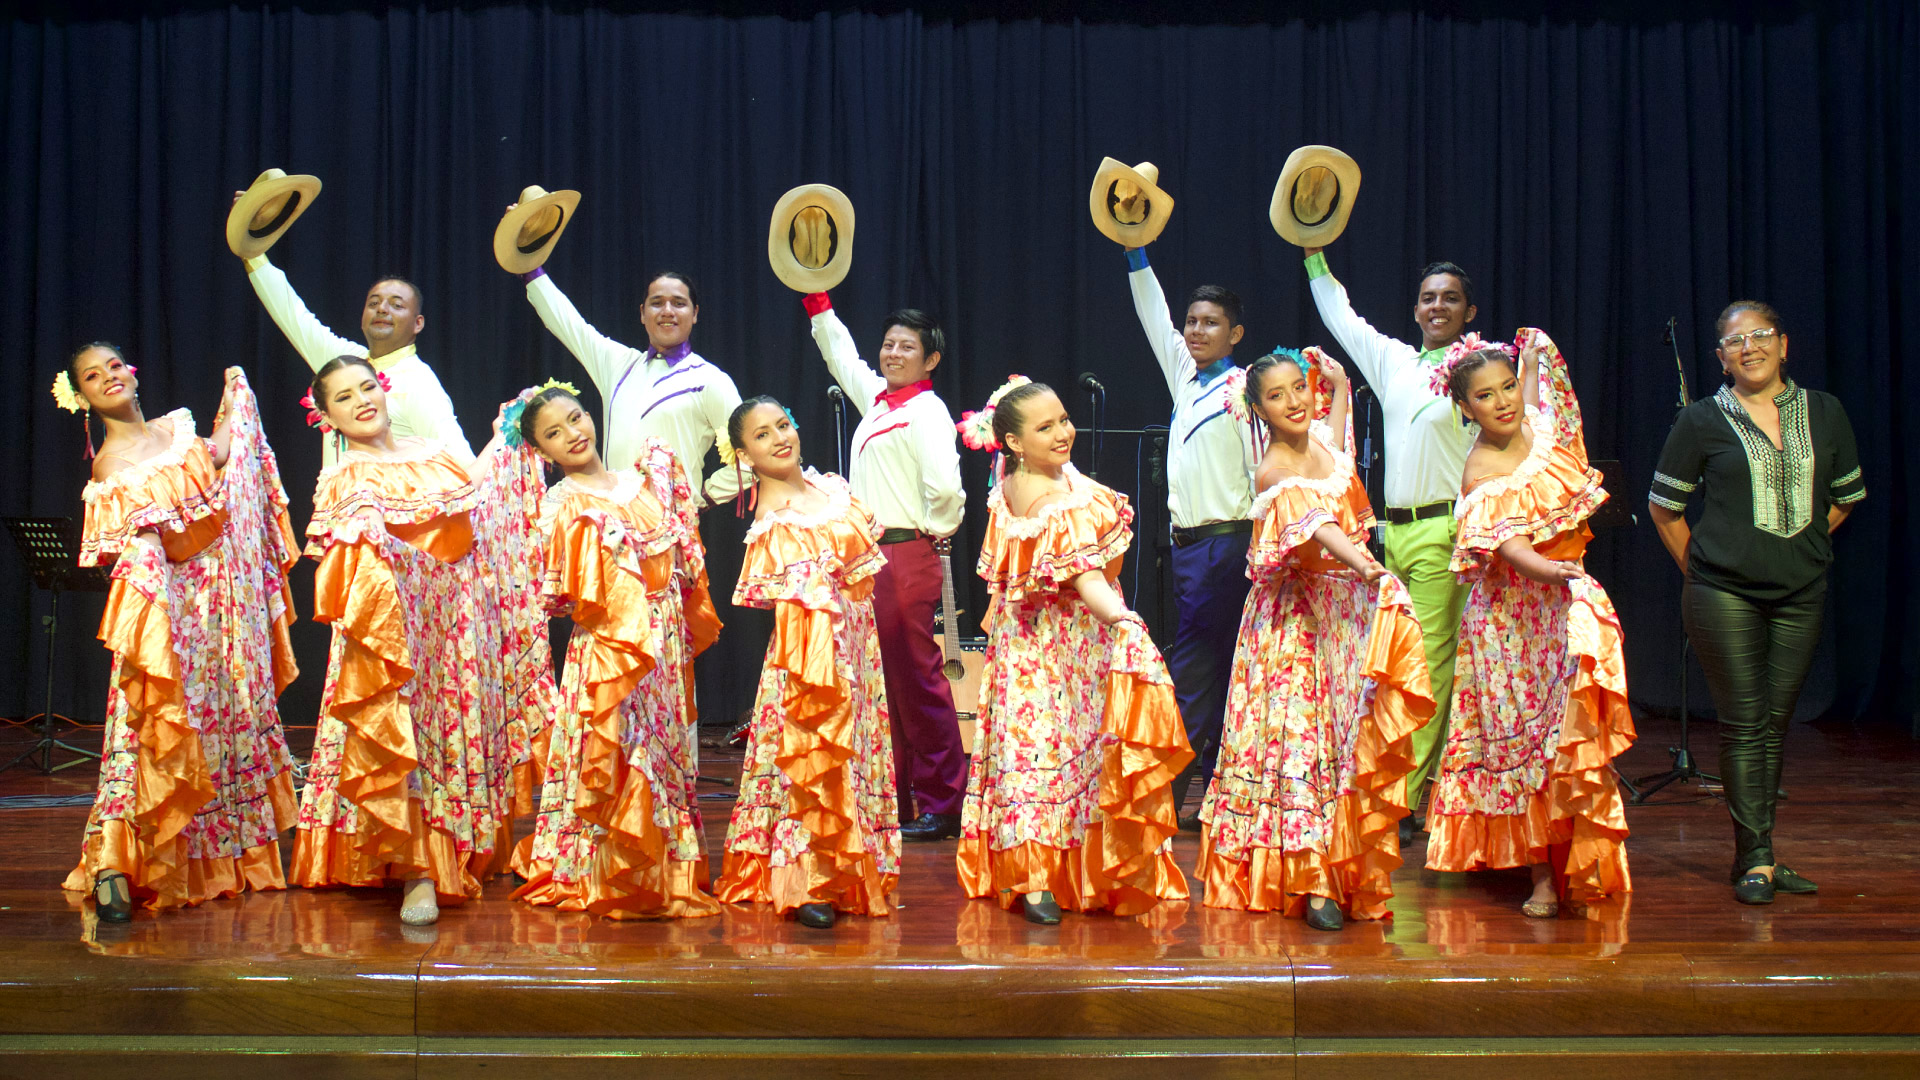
{"x":815,"y":303}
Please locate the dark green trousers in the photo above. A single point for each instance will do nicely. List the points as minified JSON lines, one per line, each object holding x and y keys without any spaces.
{"x":1756,"y":655}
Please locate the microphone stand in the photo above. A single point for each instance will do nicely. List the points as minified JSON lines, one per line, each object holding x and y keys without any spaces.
{"x":1097,"y":408}
{"x":839,"y":399}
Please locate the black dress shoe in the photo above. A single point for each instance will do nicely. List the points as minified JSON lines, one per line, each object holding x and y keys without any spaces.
{"x":817,"y":915}
{"x":1786,"y":881}
{"x":931,"y":827}
{"x":1324,"y":917}
{"x":1755,"y":888}
{"x":113,"y":897}
{"x":1191,"y":823}
{"x":1407,"y":831}
{"x":1044,"y":910}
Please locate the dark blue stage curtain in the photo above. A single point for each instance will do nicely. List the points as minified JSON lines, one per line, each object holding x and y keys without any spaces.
{"x":1596,"y":172}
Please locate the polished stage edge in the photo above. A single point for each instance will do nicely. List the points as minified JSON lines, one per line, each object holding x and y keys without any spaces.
{"x":1678,"y":980}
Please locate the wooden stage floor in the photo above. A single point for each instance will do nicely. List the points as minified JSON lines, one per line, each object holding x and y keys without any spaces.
{"x":1678,"y":980}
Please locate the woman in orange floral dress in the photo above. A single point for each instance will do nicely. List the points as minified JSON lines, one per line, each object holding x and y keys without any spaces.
{"x":1069,"y":801}
{"x":430,"y":689}
{"x":619,"y":829}
{"x":1540,"y":688}
{"x":816,"y":829}
{"x":195,"y":780}
{"x":1329,"y":678}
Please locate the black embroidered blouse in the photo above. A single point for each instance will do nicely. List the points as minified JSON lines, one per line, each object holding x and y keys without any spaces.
{"x":1762,"y":531}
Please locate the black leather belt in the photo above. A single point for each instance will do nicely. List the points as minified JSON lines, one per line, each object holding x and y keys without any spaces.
{"x":1401,"y":515}
{"x":900,"y":536}
{"x":1184,"y":537}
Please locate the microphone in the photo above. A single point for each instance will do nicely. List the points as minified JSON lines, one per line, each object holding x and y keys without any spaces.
{"x":836,"y":394}
{"x":1090,"y":384}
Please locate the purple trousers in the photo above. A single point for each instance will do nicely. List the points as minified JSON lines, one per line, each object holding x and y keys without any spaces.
{"x":930,"y":769}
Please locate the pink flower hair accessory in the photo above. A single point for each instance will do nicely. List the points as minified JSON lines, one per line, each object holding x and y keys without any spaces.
{"x":318,"y":419}
{"x":1468,"y":344}
{"x":976,"y":428}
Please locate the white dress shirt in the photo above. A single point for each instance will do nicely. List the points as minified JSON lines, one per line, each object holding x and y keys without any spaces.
{"x":417,"y":404}
{"x":1210,"y":455}
{"x":683,"y":403}
{"x":906,"y":458}
{"x":1426,"y":439}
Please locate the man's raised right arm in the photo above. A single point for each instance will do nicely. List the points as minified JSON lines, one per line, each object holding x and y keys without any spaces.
{"x":603,"y":357}
{"x":310,"y":337}
{"x":1373,"y":352}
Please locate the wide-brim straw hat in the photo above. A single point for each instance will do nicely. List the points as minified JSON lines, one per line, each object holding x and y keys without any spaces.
{"x":1314,"y":196}
{"x":810,"y":238}
{"x":1127,"y":203}
{"x":262,"y":214}
{"x":527,"y":234}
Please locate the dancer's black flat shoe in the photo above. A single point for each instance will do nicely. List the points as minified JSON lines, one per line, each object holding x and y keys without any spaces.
{"x":1044,"y":911}
{"x":1324,"y":917}
{"x":1786,"y":881}
{"x":817,"y":915}
{"x":111,"y":903}
{"x":1754,"y":888}
{"x":931,"y":827}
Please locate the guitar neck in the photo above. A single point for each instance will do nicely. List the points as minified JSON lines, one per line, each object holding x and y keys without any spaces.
{"x":950,"y":614}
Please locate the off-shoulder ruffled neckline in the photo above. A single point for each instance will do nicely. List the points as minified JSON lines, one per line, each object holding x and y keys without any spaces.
{"x":176,"y":452}
{"x":1333,"y":484}
{"x":627,"y":484}
{"x":1079,"y":496}
{"x":839,"y":498}
{"x":413,"y":451}
{"x":1523,"y":473}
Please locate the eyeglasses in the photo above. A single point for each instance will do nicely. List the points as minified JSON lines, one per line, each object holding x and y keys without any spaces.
{"x":1759,"y":338}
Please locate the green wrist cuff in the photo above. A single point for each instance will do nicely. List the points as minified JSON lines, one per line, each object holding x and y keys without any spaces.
{"x":1317,"y":266}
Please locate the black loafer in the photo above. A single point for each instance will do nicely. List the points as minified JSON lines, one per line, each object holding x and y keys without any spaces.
{"x":1755,"y":888}
{"x":1786,"y":881}
{"x":817,"y":915}
{"x":1044,"y":911}
{"x":931,"y":827}
{"x":1324,"y":917}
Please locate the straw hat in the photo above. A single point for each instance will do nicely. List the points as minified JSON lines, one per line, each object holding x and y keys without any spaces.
{"x":1127,"y":203}
{"x":270,"y":204}
{"x":1314,"y":196}
{"x":526,"y":235}
{"x":810,"y":238}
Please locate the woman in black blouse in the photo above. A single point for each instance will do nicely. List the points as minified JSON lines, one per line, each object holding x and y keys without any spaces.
{"x":1776,"y":471}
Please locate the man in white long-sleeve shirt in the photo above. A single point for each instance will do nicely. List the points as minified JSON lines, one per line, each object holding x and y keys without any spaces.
{"x":666,"y":390}
{"x":1210,"y":466}
{"x":906,"y":469}
{"x":1426,"y":447}
{"x":391,"y":321}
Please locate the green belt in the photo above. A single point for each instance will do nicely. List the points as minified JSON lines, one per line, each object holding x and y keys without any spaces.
{"x":900,"y":536}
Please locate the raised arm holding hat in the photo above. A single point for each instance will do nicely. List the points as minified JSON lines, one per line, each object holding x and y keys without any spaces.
{"x":1210,"y":460}
{"x":390,"y":320}
{"x":906,"y":469}
{"x":1426,"y":438}
{"x":665,"y":391}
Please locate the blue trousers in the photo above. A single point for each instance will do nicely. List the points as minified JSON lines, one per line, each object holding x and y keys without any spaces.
{"x":1210,"y":590}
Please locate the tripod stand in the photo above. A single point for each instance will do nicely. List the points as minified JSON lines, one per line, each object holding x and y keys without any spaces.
{"x":1683,"y":764}
{"x":51,"y":549}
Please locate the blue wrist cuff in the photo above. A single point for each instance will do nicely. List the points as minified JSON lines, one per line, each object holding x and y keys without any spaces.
{"x":1136,"y":259}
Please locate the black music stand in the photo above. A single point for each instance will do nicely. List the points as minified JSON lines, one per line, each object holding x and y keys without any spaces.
{"x":51,"y":548}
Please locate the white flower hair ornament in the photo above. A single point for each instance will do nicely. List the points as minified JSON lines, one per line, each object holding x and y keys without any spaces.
{"x":65,"y":396}
{"x":1468,"y":344}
